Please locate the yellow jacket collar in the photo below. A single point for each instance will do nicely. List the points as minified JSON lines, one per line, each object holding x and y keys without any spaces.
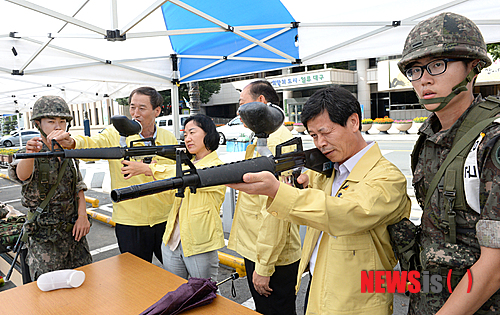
{"x":365,"y":164}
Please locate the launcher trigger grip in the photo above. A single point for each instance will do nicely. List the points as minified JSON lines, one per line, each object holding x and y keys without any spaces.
{"x":295,"y":174}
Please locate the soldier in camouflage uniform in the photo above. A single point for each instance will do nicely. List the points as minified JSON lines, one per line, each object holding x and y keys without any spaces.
{"x":441,"y":58}
{"x":57,"y":236}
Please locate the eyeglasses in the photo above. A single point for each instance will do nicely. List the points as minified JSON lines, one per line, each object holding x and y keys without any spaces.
{"x":434,"y":67}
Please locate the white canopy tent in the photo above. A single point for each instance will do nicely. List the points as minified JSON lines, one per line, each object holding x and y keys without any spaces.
{"x":331,"y":31}
{"x":127,"y":42}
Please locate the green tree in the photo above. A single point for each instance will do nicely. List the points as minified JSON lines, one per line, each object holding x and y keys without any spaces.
{"x":9,"y":124}
{"x":207,"y":89}
{"x":494,"y":50}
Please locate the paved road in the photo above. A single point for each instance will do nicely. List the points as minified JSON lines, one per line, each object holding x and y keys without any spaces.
{"x":102,"y":240}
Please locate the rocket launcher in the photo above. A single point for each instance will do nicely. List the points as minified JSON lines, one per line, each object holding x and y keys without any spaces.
{"x":125,"y":128}
{"x":263,"y":119}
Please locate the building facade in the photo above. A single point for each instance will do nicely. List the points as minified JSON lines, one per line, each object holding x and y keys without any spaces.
{"x":379,"y":86}
{"x":377,"y":83}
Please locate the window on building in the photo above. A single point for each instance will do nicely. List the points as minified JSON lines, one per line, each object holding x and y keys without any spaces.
{"x":372,"y":63}
{"x":487,"y":90}
{"x":379,"y":106}
{"x":343,"y":65}
{"x":96,"y":116}
{"x":239,"y":78}
{"x":272,"y":73}
{"x":351,"y":88}
{"x":221,"y":111}
{"x":403,"y":98}
{"x":298,"y":69}
{"x":316,"y":67}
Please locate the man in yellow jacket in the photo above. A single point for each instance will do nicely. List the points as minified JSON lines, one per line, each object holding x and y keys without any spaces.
{"x":140,"y":223}
{"x":347,"y":214}
{"x":271,"y":247}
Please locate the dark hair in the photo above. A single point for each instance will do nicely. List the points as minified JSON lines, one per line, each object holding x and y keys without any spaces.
{"x":155,"y":98}
{"x":264,"y":88}
{"x":337,"y":101}
{"x":211,"y":140}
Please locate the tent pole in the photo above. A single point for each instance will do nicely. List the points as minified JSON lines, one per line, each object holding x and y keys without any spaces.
{"x":175,"y":110}
{"x":59,"y":16}
{"x":142,"y":16}
{"x":19,"y":128}
{"x":175,"y":94}
{"x":114,"y":14}
{"x":47,"y":42}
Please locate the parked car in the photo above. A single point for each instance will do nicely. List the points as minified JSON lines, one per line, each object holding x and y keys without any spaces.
{"x":232,"y":130}
{"x":15,"y":131}
{"x":13,"y":139}
{"x":167,"y":122}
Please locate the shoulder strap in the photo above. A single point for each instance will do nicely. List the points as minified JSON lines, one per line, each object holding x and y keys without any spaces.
{"x":483,"y":110}
{"x":43,"y":175}
{"x":460,"y":145}
{"x":52,"y":190}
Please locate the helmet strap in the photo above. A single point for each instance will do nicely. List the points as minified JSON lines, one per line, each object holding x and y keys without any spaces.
{"x":39,"y":127}
{"x":457,"y":89}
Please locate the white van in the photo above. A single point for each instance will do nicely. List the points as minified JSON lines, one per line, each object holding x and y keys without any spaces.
{"x":167,"y":122}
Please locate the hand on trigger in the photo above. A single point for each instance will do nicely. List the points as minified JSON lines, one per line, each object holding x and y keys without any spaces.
{"x":133,"y":168}
{"x":63,"y":138}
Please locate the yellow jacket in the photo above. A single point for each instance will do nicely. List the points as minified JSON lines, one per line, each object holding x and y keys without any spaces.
{"x":199,"y":214}
{"x":258,"y":236}
{"x":355,"y":232}
{"x":148,"y":210}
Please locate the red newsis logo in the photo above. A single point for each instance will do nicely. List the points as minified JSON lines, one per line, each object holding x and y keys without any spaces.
{"x":383,"y":281}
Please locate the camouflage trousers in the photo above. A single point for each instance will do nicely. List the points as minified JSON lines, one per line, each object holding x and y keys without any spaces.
{"x":65,"y":253}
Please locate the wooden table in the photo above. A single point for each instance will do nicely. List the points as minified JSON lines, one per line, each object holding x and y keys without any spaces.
{"x":122,"y":284}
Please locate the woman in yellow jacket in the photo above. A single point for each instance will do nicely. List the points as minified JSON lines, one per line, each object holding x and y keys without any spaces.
{"x":194,"y":228}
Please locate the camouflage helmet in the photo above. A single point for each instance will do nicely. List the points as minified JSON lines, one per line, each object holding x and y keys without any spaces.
{"x":444,"y":35}
{"x":51,"y":106}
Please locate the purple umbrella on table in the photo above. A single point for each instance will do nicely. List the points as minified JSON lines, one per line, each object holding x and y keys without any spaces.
{"x":196,"y":292}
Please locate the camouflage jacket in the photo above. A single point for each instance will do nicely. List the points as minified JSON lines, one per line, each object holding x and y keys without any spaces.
{"x":61,"y":207}
{"x":473,"y":229}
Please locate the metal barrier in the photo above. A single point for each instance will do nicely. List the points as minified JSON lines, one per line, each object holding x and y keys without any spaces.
{"x":101,"y":217}
{"x":93,"y":201}
{"x":233,"y":262}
